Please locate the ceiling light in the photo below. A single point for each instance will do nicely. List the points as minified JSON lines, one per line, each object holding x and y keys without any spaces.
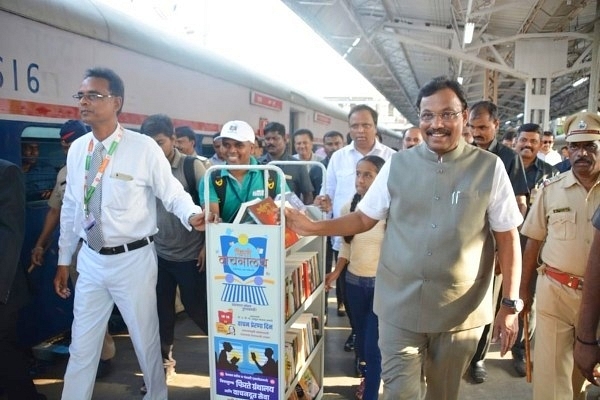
{"x":356,"y":41}
{"x":580,"y":81}
{"x":508,"y":123}
{"x":519,"y":115}
{"x":469,"y":30}
{"x":460,"y":79}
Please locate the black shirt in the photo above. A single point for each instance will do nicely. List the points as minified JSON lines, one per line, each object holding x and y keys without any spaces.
{"x":514,"y":167}
{"x":538,"y":172}
{"x":296,"y":176}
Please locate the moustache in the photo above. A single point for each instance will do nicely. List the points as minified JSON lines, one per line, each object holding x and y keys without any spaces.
{"x":431,"y":132}
{"x":583,"y":160}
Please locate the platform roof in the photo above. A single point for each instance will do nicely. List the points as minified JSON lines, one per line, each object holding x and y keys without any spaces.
{"x":404,"y":43}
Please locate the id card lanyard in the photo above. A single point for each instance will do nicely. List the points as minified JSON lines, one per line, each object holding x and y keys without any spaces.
{"x":89,"y":191}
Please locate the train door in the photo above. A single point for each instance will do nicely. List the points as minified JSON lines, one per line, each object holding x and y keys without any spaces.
{"x":36,"y":148}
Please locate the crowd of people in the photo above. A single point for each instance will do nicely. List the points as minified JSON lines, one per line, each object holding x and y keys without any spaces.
{"x":456,"y":241}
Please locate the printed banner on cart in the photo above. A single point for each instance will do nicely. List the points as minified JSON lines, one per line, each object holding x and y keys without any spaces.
{"x":246,"y":309}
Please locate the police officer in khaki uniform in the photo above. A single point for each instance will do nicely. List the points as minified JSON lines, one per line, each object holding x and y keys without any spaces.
{"x":559,"y":225}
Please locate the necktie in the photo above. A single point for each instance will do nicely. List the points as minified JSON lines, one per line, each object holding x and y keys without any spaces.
{"x":94,"y":234}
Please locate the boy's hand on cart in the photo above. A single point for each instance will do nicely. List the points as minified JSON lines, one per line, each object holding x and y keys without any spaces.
{"x":197,"y":221}
{"x":214,"y":218}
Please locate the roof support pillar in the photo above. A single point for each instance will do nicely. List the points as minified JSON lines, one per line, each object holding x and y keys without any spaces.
{"x":539,"y":58}
{"x":595,"y":69}
{"x":490,"y":89}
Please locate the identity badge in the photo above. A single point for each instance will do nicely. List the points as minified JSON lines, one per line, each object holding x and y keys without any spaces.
{"x":89,"y":222}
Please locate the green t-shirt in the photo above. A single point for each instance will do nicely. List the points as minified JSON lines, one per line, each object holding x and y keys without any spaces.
{"x":236,"y":193}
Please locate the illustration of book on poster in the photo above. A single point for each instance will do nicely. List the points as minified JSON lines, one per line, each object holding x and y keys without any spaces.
{"x":244,"y":277}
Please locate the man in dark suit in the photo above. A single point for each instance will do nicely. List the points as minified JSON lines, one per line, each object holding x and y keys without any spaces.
{"x":14,"y":372}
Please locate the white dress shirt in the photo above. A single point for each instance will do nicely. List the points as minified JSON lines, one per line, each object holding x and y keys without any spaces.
{"x":137,"y":173}
{"x":341,"y":174}
{"x":553,"y":157}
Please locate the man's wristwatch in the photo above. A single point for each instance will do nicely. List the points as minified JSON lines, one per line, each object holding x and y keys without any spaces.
{"x":516,"y":305}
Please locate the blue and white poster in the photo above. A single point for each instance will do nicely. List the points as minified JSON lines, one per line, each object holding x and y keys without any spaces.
{"x":245,"y":308}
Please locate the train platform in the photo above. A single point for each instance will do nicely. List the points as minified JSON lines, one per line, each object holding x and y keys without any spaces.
{"x":192,"y":379}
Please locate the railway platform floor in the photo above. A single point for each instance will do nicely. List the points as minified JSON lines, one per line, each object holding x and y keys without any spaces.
{"x":192,"y":379}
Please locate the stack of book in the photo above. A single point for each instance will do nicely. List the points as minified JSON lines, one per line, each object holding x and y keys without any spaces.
{"x":300,"y":340}
{"x":302,"y":277}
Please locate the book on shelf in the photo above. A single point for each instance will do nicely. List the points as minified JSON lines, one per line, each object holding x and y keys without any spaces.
{"x":290,"y":354}
{"x":307,"y":263}
{"x":309,"y":384}
{"x":295,"y":269}
{"x":304,"y":322}
{"x":300,"y":349}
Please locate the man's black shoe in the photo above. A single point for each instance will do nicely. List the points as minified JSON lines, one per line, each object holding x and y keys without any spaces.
{"x":519,"y":366}
{"x":349,"y":345}
{"x":478,"y":372}
{"x":104,"y":368}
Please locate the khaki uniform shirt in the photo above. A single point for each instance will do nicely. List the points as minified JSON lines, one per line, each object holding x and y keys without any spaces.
{"x":561,"y":216}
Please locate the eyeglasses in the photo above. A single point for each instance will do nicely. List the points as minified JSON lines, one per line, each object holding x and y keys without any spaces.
{"x":547,"y":141}
{"x":446,"y":116}
{"x":91,"y":97}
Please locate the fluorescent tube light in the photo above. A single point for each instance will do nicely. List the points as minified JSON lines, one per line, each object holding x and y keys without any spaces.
{"x":469,"y":30}
{"x":580,"y":81}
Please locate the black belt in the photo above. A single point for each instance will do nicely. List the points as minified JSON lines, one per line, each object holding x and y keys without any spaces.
{"x":126,"y":247}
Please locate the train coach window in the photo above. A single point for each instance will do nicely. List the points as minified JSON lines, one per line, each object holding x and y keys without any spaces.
{"x":42,"y":157}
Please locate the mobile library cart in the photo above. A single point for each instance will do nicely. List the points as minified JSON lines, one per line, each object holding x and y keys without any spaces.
{"x":265,"y":306}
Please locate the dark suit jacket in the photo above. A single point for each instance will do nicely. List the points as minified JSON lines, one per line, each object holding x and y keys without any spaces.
{"x":13,"y":286}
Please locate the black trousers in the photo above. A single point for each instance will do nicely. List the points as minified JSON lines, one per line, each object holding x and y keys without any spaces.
{"x":192,"y":289}
{"x":14,"y":368}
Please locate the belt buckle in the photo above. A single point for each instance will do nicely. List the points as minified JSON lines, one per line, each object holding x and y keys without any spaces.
{"x":574,"y":282}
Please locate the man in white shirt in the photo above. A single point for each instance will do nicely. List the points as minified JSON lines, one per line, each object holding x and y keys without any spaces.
{"x":547,"y":153}
{"x":341,"y":172}
{"x":111,"y":206}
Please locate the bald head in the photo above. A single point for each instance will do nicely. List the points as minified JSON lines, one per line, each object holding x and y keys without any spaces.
{"x":412,"y":137}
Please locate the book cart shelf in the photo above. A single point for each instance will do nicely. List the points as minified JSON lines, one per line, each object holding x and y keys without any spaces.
{"x":265,"y":307}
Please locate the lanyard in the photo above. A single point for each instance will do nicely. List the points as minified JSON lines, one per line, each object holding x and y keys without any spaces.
{"x":89,"y":191}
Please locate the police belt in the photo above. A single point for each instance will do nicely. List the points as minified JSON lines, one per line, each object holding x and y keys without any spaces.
{"x":572,"y":281}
